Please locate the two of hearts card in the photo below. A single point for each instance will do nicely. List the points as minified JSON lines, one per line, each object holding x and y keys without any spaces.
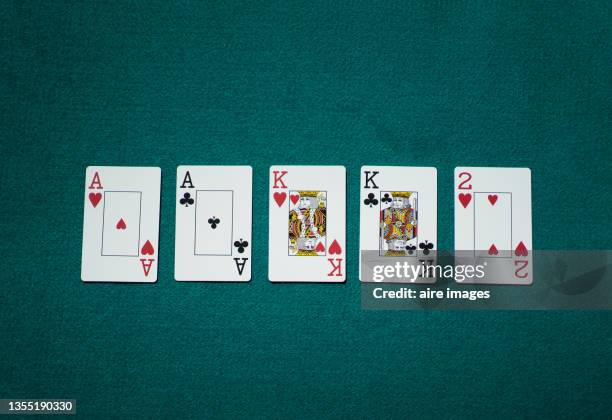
{"x":307,"y":223}
{"x":493,"y":223}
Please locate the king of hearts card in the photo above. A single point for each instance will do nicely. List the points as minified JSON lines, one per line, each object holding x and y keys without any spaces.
{"x":307,"y":224}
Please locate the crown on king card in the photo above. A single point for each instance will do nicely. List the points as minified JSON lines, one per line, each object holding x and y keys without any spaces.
{"x":402,"y":194}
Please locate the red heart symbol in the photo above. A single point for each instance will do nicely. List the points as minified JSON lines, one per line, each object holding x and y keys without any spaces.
{"x":95,"y":198}
{"x":121,"y":224}
{"x":320,"y":247}
{"x":147,"y":249}
{"x":279,"y":197}
{"x":465,"y":199}
{"x":493,"y":250}
{"x":294,"y":198}
{"x":492,"y":199}
{"x":335,"y":248}
{"x":521,"y":250}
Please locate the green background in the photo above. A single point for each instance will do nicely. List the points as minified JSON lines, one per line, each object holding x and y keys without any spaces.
{"x":397,"y":83}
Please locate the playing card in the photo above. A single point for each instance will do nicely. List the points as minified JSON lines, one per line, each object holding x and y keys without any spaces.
{"x":213,"y":223}
{"x":493,"y":223}
{"x":398,"y":220}
{"x":121,"y":224}
{"x":307,"y":224}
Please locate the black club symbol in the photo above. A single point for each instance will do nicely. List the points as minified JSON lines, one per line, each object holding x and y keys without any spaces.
{"x":214,"y":221}
{"x":186,"y":200}
{"x":370,"y":201}
{"x":426,"y":247}
{"x":241,"y":245}
{"x":411,"y":249}
{"x":386,"y":198}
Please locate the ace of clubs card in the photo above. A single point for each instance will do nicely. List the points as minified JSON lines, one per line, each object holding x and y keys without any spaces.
{"x":121,"y":224}
{"x":493,"y":223}
{"x":398,"y":219}
{"x":213,"y":223}
{"x":307,"y":224}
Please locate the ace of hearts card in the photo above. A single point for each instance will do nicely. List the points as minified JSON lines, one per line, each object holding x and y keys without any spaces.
{"x":493,"y":223}
{"x":307,"y":224}
{"x":121,"y":224}
{"x":213,"y":223}
{"x":398,"y":219}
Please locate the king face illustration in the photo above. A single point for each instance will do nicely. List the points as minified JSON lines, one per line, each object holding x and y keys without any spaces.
{"x":398,"y":222}
{"x":307,"y":223}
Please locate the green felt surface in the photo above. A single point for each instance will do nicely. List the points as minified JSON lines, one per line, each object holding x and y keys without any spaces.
{"x":397,"y":83}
